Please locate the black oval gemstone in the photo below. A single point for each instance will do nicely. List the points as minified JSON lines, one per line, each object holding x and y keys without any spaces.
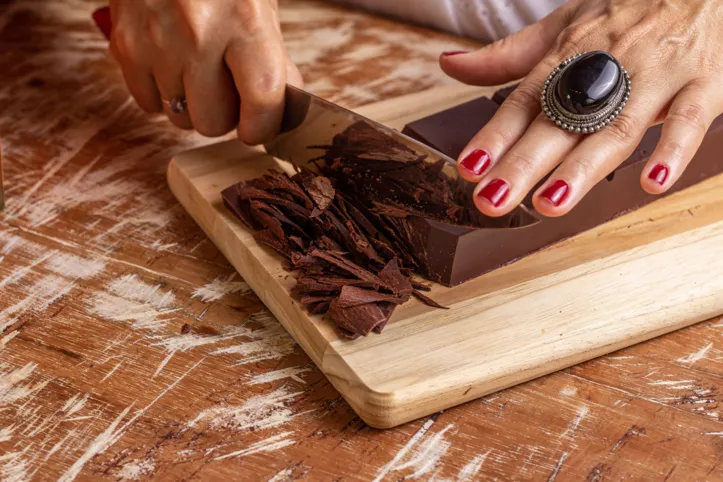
{"x":588,"y":82}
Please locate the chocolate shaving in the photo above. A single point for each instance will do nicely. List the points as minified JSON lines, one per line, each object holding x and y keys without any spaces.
{"x":353,"y":296}
{"x":354,"y":250}
{"x":427,"y":300}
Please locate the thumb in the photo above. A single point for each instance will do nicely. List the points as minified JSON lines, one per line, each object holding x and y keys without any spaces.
{"x":510,"y":58}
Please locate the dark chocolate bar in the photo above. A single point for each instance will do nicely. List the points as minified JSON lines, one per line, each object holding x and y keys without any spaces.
{"x":454,"y":254}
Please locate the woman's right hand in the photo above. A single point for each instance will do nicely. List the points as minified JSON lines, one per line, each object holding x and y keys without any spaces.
{"x":226,"y":57}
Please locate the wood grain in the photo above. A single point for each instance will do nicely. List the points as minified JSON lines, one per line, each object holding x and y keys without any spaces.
{"x":103,"y":274}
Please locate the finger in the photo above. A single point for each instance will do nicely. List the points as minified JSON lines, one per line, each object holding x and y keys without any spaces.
{"x":689,"y":117}
{"x":138,"y":77}
{"x":143,"y":88}
{"x":543,"y":147}
{"x":599,"y":154}
{"x":507,"y":126}
{"x":510,"y":58}
{"x":170,"y":86}
{"x":293,"y":75}
{"x":258,"y":65}
{"x":213,"y":103}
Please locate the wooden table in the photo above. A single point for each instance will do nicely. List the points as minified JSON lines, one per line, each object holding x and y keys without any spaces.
{"x":129,"y":348}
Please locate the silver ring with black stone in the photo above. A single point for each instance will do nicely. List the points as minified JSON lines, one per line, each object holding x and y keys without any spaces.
{"x":176,"y":105}
{"x":586,"y":92}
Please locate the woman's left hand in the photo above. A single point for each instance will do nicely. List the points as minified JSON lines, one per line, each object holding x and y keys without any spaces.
{"x":673,"y":52}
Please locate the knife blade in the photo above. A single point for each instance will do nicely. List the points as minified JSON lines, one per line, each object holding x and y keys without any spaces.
{"x":309,"y":120}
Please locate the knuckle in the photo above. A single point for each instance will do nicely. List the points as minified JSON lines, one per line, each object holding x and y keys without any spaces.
{"x":265,"y":93}
{"x":521,"y":165}
{"x":585,"y":168}
{"x":524,"y":97}
{"x":625,"y":129}
{"x":690,"y":114}
{"x":572,"y":39}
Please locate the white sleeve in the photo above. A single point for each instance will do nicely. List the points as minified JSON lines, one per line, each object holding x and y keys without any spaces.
{"x":484,"y":20}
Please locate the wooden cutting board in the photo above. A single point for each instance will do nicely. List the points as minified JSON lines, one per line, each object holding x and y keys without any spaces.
{"x":650,"y":272}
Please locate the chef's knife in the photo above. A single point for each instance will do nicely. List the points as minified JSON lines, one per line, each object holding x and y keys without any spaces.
{"x":312,"y":121}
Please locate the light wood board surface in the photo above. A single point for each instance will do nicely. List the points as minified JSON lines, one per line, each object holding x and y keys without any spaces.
{"x":603,"y":290}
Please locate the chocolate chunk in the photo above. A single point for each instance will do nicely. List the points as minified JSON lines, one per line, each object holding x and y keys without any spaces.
{"x":353,"y":296}
{"x":360,"y":319}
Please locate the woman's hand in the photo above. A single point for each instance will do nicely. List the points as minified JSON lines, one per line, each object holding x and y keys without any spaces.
{"x":672,"y":51}
{"x":226,"y":57}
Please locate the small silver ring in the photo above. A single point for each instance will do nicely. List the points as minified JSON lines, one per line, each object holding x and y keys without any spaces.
{"x":177,"y":104}
{"x":587,"y":123}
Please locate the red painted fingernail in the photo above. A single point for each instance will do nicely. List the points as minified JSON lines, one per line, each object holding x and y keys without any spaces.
{"x":476,"y":161}
{"x":454,"y":52}
{"x":556,"y":192}
{"x":103,"y":21}
{"x":495,"y":191}
{"x":659,"y":174}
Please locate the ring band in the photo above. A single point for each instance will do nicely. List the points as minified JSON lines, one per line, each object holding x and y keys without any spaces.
{"x":586,"y":92}
{"x":177,"y":105}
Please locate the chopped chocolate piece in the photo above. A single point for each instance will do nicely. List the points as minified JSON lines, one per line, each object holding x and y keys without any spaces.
{"x":394,"y":278}
{"x":318,"y":308}
{"x":320,"y":190}
{"x":427,"y":300}
{"x":348,"y":266}
{"x":360,"y":319}
{"x":185,"y":329}
{"x":308,"y":300}
{"x":353,"y":296}
{"x":420,"y":286}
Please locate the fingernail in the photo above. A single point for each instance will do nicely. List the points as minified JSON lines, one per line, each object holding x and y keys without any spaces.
{"x":454,"y":52}
{"x":556,"y":192}
{"x":476,"y":161}
{"x":103,"y":21}
{"x":659,"y":174}
{"x":495,"y":191}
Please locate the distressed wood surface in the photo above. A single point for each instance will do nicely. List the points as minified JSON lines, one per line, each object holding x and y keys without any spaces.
{"x":130,"y":350}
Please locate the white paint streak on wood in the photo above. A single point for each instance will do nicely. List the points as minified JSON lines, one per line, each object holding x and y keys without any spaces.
{"x":399,"y":456}
{"x":220,"y":287}
{"x":568,"y":391}
{"x":291,"y":372}
{"x":282,"y":476}
{"x":19,"y":273}
{"x":130,"y":299}
{"x":15,"y":384}
{"x":558,"y":467}
{"x":14,"y":466}
{"x":189,"y":341}
{"x":570,"y":431}
{"x":6,"y":433}
{"x":259,"y":412}
{"x":110,"y":435}
{"x":425,"y":458}
{"x":75,"y":404}
{"x":270,"y":444}
{"x":468,"y":473}
{"x":270,"y":342}
{"x":712,"y":433}
{"x":696,"y":356}
{"x":675,"y":384}
{"x":6,"y":339}
{"x":75,"y":267}
{"x":112,"y":371}
{"x":136,"y":470}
